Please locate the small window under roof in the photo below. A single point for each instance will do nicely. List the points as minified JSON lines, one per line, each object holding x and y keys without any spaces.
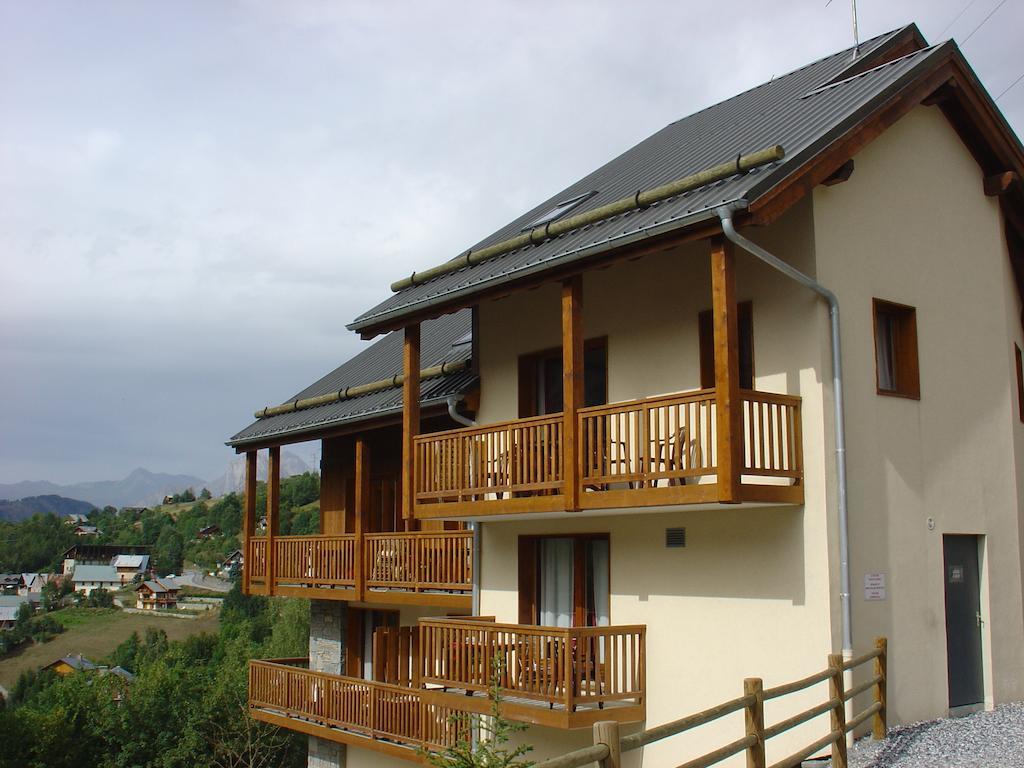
{"x":558,"y":211}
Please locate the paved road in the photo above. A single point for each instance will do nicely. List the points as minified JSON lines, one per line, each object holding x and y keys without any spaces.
{"x":200,"y":580}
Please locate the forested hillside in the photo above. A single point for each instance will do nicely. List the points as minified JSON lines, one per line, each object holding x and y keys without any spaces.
{"x":187,"y":707}
{"x":37,"y":543}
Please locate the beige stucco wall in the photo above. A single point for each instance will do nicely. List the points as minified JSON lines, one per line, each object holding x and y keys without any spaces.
{"x":749,"y":596}
{"x":913,"y":226}
{"x":755,"y":591}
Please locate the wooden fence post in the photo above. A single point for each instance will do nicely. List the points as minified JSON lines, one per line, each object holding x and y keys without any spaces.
{"x":836,"y":690}
{"x":753,"y":715}
{"x":879,"y":724}
{"x":607,"y":732}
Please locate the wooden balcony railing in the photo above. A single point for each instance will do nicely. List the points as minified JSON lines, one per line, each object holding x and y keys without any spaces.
{"x":420,"y":561}
{"x":427,"y":567}
{"x":649,"y":452}
{"x":393,"y":713}
{"x":256,"y":559}
{"x":773,"y":442}
{"x":564,"y":667}
{"x":315,"y":561}
{"x":522,"y":457}
{"x":668,"y":440}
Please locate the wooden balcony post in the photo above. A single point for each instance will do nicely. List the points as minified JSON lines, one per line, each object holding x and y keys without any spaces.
{"x":879,"y":726}
{"x":729,"y":421}
{"x":273,"y":512}
{"x":572,"y":387}
{"x":754,"y":720}
{"x":410,"y":418}
{"x":248,"y":517}
{"x":362,"y":513}
{"x":837,"y":717}
{"x":607,"y":732}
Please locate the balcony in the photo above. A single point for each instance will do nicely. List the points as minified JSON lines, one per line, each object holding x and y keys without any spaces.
{"x":655,"y":452}
{"x":422,"y":567}
{"x":393,"y":719}
{"x":552,"y":676}
{"x":562,"y":677}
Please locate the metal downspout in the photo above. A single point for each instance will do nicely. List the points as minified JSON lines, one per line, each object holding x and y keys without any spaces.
{"x":453,"y":401}
{"x":457,"y":417}
{"x":725,"y":214}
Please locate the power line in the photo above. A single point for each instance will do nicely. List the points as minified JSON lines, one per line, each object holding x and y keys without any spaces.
{"x":1008,"y":88}
{"x":954,"y":21}
{"x":984,"y":21}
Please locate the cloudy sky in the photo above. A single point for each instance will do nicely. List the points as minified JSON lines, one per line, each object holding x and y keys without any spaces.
{"x":195,"y":197}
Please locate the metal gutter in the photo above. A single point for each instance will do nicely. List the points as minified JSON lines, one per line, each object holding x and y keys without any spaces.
{"x":725,"y":213}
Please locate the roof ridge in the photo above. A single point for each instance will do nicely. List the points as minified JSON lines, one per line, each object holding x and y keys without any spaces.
{"x":880,"y":39}
{"x":883,"y":65}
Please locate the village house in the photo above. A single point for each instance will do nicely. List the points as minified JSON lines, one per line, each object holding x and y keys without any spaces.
{"x":10,"y":583}
{"x":231,"y":561}
{"x":624,"y":447}
{"x":87,"y":578}
{"x":208,"y":532}
{"x":97,"y":554}
{"x":9,"y":607}
{"x":32,"y":583}
{"x":156,"y":595}
{"x":68,"y":665}
{"x":129,"y":567}
{"x":86,"y":530}
{"x":76,"y":518}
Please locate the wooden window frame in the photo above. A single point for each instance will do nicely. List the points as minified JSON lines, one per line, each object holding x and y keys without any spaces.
{"x":1019,"y":359}
{"x":906,"y":363}
{"x":529,"y":364}
{"x":529,"y":574}
{"x":706,"y":342}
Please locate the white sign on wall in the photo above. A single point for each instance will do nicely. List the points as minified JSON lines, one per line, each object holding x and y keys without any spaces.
{"x":874,"y":586}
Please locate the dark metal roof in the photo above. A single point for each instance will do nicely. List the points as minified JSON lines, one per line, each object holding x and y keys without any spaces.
{"x":793,"y":110}
{"x":439,"y":343}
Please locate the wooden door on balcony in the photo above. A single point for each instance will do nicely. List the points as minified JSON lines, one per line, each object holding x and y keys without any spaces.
{"x":564,"y":581}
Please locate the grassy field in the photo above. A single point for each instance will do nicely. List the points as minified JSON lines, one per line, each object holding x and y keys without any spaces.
{"x":95,"y":633}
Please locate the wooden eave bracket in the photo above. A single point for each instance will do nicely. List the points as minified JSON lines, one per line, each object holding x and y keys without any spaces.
{"x":841,"y":174}
{"x":1000,"y":183}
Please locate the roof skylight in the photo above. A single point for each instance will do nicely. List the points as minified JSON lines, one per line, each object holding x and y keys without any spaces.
{"x":558,"y":211}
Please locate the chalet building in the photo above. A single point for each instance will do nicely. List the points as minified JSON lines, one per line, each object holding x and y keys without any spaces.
{"x":208,"y":532}
{"x":87,"y":578}
{"x":128,"y":566}
{"x":611,"y":435}
{"x":156,"y":595}
{"x":97,"y":554}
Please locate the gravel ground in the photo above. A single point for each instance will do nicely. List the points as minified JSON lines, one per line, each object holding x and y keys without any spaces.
{"x":983,"y":740}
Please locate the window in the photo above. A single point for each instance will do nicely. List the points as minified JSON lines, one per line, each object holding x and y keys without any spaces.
{"x":706,"y":334}
{"x":564,"y":580}
{"x":540,"y":379}
{"x":896,"y":366}
{"x":558,"y":211}
{"x":1020,"y":382}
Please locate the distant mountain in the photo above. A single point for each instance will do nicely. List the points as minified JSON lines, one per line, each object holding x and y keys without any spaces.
{"x":22,"y":509}
{"x":141,"y":488}
{"x":233,"y":480}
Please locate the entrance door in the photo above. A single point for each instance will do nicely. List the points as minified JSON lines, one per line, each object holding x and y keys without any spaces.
{"x":963,"y":620}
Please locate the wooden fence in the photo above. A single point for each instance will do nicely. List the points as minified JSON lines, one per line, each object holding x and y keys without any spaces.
{"x":570,"y":666}
{"x":315,"y":560}
{"x":419,"y":561}
{"x":256,"y":559}
{"x":523,"y":456}
{"x":609,"y":745}
{"x":668,"y":439}
{"x":406,"y":716}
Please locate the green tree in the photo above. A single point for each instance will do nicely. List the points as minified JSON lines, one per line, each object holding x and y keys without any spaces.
{"x":205,"y":495}
{"x":168,"y":551}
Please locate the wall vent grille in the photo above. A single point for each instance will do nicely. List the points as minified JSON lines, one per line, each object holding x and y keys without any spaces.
{"x":675,"y":537}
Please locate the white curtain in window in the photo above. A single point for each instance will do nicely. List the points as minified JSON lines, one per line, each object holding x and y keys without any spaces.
{"x":556,"y":582}
{"x":884,"y":352}
{"x":599,"y":555}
